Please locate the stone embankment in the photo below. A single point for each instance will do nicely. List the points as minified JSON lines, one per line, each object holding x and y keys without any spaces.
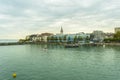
{"x":81,"y":44}
{"x":12,"y":43}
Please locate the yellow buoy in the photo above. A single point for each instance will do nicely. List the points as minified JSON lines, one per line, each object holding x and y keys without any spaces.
{"x":14,"y":75}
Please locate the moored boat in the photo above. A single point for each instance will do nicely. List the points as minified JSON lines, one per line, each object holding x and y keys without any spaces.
{"x":71,"y":45}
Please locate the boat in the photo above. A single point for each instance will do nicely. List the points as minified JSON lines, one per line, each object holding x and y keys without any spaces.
{"x":71,"y":45}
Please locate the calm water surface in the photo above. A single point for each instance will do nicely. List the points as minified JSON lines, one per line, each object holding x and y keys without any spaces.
{"x":33,"y":62}
{"x":8,"y":40}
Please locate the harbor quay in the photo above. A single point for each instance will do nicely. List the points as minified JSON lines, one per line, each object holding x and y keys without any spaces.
{"x":63,"y":44}
{"x":13,"y":43}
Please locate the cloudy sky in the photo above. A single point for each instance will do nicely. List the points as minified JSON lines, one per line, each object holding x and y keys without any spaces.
{"x":19,"y":18}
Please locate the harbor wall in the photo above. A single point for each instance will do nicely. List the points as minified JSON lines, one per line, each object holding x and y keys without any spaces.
{"x":83,"y":44}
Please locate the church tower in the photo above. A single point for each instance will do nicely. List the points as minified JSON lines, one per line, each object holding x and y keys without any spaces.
{"x":61,"y":31}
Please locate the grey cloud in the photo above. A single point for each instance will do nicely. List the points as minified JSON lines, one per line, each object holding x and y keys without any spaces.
{"x":32,"y":16}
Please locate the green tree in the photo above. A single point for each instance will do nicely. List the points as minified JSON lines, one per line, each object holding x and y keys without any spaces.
{"x":60,"y":39}
{"x":52,"y":39}
{"x":80,"y":38}
{"x":55,"y":39}
{"x":117,"y":35}
{"x":48,"y":39}
{"x":75,"y":39}
{"x":91,"y":36}
{"x":65,"y":38}
{"x":22,"y":40}
{"x":87,"y":39}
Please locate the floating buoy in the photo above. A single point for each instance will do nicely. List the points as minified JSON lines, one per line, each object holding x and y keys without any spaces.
{"x":14,"y":75}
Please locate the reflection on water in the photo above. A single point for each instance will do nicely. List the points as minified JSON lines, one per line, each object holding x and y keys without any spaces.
{"x":54,"y":62}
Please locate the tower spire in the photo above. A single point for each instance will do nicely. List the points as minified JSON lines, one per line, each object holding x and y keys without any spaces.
{"x":61,"y":31}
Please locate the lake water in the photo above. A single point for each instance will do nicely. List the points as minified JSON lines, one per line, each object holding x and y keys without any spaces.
{"x":8,"y":40}
{"x":33,"y":62}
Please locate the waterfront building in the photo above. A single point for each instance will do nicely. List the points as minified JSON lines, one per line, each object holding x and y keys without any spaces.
{"x":58,"y":37}
{"x":44,"y":36}
{"x":117,"y":29}
{"x":63,"y":38}
{"x":38,"y":37}
{"x":98,"y":36}
{"x":33,"y":37}
{"x":70,"y":37}
{"x":83,"y":35}
{"x":79,"y":37}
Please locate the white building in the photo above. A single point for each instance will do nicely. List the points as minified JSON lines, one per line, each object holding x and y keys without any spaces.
{"x":38,"y":37}
{"x":83,"y":35}
{"x":98,"y":36}
{"x":44,"y":36}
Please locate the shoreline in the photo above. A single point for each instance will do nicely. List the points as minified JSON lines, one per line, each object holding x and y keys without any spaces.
{"x":82,"y":44}
{"x":12,"y":43}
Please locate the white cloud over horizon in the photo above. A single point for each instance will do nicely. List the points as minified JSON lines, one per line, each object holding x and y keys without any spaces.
{"x":19,"y":18}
